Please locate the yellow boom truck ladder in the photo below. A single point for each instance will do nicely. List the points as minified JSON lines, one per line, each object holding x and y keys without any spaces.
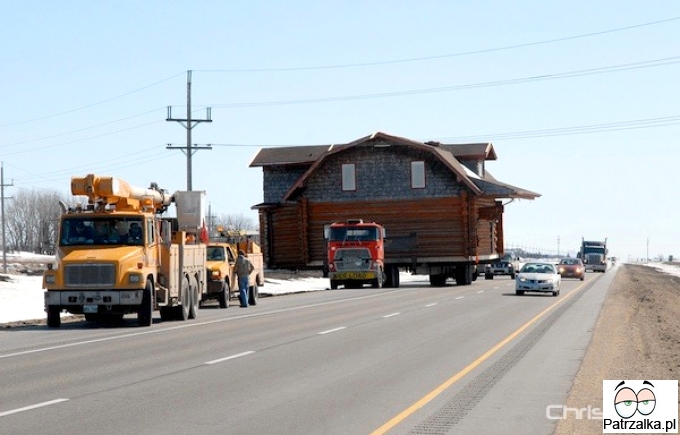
{"x":116,"y":255}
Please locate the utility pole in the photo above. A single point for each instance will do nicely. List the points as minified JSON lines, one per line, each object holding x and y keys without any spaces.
{"x":189,"y":123}
{"x":558,"y":246}
{"x":2,"y":206}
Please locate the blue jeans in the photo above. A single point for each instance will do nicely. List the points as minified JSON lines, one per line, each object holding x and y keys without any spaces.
{"x":243,"y":290}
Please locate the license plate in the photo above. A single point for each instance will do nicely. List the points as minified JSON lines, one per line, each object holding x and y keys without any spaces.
{"x":87,"y":309}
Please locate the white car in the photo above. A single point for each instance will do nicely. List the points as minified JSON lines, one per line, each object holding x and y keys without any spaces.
{"x":538,"y":277}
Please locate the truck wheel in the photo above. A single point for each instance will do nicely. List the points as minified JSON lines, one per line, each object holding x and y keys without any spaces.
{"x":395,"y":277}
{"x":488,"y":276}
{"x":224,"y":295}
{"x":378,"y":282}
{"x":53,"y":317}
{"x":512,"y":275}
{"x":334,"y":284}
{"x":253,"y":294}
{"x":145,"y":313}
{"x":182,"y":311}
{"x":194,"y":296}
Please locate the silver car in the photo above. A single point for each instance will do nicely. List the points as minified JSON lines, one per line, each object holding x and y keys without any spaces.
{"x":538,"y":277}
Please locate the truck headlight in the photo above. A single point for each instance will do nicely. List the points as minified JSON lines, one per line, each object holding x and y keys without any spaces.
{"x":134,"y":278}
{"x":215,"y":274}
{"x":50,"y":279}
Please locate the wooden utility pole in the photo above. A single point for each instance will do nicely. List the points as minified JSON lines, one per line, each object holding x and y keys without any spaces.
{"x":2,"y":206}
{"x":189,"y":123}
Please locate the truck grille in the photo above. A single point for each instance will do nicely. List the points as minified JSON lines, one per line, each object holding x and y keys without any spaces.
{"x":352,"y":259}
{"x":90,"y":275}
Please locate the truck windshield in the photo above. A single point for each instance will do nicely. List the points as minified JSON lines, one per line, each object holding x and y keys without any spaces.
{"x":101,"y":231}
{"x":593,"y":250}
{"x":353,"y":234}
{"x":215,"y":253}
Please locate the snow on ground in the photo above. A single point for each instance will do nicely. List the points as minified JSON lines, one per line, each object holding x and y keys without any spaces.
{"x":21,"y":296}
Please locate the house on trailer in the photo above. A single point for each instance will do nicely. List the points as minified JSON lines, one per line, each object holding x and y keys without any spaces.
{"x":438,"y":202}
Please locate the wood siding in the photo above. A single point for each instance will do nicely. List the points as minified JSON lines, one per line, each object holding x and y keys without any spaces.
{"x":438,"y":228}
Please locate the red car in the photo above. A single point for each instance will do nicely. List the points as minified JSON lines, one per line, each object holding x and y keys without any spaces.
{"x":572,"y":268}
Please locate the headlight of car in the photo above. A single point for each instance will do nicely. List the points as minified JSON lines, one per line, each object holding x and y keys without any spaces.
{"x":215,"y":274}
{"x":134,"y":278}
{"x":521,"y":279}
{"x":50,"y":279}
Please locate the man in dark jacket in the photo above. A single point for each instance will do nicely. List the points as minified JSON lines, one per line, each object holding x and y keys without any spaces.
{"x":243,"y":270}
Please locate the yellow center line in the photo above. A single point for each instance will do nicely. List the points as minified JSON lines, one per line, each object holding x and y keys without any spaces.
{"x":403,"y":415}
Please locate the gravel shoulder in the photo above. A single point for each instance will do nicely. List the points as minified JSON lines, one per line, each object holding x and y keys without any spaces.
{"x":637,"y":336}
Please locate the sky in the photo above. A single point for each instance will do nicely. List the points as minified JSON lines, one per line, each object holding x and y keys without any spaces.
{"x":579,"y":99}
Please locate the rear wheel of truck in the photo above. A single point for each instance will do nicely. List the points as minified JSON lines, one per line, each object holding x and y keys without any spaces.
{"x":145,"y":313}
{"x":253,"y":294}
{"x":334,"y":284}
{"x":194,"y":297}
{"x":53,"y":317}
{"x":224,"y":295}
{"x":182,"y":311}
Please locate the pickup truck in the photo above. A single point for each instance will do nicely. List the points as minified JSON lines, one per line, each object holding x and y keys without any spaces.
{"x":506,"y":265}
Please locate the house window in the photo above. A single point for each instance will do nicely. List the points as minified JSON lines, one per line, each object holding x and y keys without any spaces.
{"x":349,"y":181}
{"x":418,"y":175}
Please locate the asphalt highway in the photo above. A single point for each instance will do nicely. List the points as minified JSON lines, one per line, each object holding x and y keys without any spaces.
{"x":413,"y":360}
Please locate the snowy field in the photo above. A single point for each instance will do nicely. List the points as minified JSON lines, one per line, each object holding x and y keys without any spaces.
{"x":21,"y":296}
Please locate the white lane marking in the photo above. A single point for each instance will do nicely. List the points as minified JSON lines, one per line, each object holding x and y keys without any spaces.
{"x":195,"y":324}
{"x":431,"y":305}
{"x":238,"y":355}
{"x":460,"y":297}
{"x":330,"y":331}
{"x":391,"y":315}
{"x":28,"y":408}
{"x":481,"y":291}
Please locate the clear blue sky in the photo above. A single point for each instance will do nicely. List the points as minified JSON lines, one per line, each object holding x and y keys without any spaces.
{"x":580,"y":99}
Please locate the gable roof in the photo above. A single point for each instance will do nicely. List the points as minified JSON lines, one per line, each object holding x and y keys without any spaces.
{"x":312,"y":156}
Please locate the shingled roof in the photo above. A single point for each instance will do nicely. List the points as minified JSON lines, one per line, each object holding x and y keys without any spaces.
{"x":312,"y":156}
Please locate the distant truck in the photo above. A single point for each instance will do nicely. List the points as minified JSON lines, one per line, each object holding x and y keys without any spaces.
{"x":116,"y":255}
{"x":594,"y":255}
{"x":356,"y":254}
{"x":508,"y":264}
{"x":221,"y":260}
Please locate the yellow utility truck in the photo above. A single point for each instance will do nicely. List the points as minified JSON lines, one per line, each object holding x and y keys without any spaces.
{"x":116,"y":255}
{"x":221,"y":261}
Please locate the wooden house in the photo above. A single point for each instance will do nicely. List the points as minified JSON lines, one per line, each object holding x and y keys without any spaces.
{"x":438,"y":196}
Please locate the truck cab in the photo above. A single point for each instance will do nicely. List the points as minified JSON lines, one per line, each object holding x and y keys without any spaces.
{"x":355,"y":254}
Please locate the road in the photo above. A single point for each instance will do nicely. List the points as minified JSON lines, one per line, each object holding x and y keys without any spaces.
{"x":413,"y":360}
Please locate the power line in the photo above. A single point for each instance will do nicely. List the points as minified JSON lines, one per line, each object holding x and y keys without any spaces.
{"x":506,"y":82}
{"x":443,"y":56}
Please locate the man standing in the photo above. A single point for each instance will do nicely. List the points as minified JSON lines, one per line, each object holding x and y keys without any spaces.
{"x":243,"y":270}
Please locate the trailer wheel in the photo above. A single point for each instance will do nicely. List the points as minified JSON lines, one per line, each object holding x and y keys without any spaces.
{"x":145,"y":313}
{"x":224,"y":295}
{"x":182,"y":311}
{"x":53,"y":316}
{"x":253,"y":294}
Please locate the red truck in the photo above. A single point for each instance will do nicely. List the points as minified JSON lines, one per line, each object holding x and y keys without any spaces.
{"x":356,"y":254}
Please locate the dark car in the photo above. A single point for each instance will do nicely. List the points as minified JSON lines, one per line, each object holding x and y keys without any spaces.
{"x":572,"y":268}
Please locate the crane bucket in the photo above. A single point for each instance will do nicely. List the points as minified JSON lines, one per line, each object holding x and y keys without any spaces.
{"x":111,"y":190}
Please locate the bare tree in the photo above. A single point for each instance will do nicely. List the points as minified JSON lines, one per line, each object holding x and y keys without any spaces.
{"x":32,"y":220}
{"x":235,"y":222}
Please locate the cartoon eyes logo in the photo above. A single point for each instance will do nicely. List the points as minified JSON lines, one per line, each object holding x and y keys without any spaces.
{"x":626,"y":402}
